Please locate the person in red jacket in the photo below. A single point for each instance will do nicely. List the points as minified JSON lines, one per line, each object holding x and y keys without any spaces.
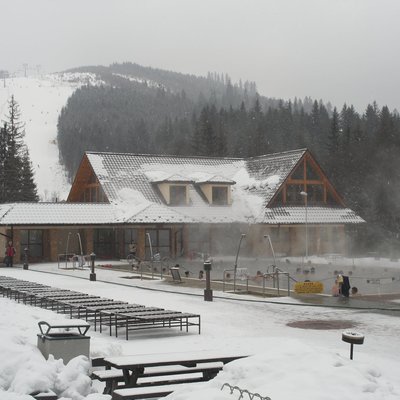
{"x":10,"y":253}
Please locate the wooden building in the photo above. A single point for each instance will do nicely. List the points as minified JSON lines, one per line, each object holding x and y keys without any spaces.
{"x":181,"y":206}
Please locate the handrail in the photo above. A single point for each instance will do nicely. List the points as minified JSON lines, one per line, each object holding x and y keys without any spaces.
{"x":244,"y":391}
{"x":285,"y":272}
{"x":275,"y":277}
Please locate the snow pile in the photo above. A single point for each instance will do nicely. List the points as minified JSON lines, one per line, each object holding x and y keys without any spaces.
{"x":292,"y":369}
{"x":159,"y":176}
{"x":247,"y":182}
{"x":23,"y":369}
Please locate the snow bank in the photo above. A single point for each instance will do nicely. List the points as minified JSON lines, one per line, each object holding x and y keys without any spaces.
{"x":23,"y":369}
{"x":292,"y":369}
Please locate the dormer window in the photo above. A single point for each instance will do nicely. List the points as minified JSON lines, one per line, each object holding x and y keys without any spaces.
{"x":216,"y":189}
{"x":220,"y":195}
{"x":177,"y":195}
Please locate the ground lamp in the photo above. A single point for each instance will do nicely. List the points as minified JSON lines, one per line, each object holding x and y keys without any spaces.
{"x":208,"y":294}
{"x":305,"y":195}
{"x":352,"y":338}
{"x":242,"y":236}
{"x":92,"y":273}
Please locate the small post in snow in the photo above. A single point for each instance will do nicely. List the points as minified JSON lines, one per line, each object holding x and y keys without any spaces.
{"x":208,"y":294}
{"x":92,"y":274}
{"x":352,"y":338}
{"x":26,"y":265}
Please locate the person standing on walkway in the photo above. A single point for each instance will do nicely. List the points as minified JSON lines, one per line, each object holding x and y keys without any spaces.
{"x":10,"y":253}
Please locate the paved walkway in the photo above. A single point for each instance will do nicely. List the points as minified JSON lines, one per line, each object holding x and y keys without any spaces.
{"x":195,"y":287}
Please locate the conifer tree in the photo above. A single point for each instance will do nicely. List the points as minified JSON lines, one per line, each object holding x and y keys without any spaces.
{"x":28,"y":187}
{"x":17,"y":177}
{"x":3,"y":153}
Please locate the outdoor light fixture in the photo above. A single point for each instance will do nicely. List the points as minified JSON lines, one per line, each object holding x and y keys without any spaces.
{"x":272,"y":248}
{"x":242,"y":236}
{"x":305,"y":195}
{"x":92,"y":276}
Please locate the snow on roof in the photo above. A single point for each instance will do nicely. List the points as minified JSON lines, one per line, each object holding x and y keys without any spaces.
{"x":130,"y":183}
{"x":254,"y":180}
{"x":315,"y":215}
{"x":57,"y":213}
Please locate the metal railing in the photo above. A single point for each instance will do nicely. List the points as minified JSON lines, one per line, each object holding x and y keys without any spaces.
{"x":242,"y":392}
{"x":226,"y":279}
{"x":275,"y":275}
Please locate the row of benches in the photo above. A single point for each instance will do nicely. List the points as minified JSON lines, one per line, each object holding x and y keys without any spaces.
{"x":101,"y":312}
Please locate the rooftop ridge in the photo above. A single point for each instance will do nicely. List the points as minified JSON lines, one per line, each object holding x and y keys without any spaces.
{"x":163,"y":155}
{"x":302,"y":150}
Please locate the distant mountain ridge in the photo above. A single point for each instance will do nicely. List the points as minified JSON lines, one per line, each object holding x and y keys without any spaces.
{"x":131,"y":107}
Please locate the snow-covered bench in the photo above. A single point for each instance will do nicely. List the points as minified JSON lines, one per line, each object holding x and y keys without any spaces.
{"x":160,"y":375}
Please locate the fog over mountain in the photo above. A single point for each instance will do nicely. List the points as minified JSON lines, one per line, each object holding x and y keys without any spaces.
{"x":341,"y":51}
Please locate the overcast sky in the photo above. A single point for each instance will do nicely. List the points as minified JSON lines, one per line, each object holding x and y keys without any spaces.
{"x":335,"y":50}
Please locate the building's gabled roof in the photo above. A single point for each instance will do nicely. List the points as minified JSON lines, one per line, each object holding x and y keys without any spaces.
{"x":268,"y":172}
{"x":118,"y":173}
{"x":131,"y":185}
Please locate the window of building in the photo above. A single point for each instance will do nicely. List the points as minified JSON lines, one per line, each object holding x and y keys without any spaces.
{"x":330,"y":200}
{"x":32,"y":239}
{"x":220,"y":195}
{"x":312,"y":174}
{"x":177,"y":195}
{"x":315,"y":194}
{"x":293,"y":196}
{"x":279,"y":199}
{"x":104,"y":243}
{"x":299,"y":172}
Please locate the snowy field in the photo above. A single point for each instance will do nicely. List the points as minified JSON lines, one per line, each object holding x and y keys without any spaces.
{"x":41,"y":100}
{"x":286,"y":362}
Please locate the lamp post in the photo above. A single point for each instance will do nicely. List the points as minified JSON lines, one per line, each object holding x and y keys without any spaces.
{"x":26,"y":265}
{"x":305,"y":195}
{"x":242,"y":236}
{"x":208,"y":294}
{"x":92,"y":274}
{"x":272,"y":248}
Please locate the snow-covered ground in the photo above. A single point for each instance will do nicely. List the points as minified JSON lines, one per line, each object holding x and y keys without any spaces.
{"x":286,"y":362}
{"x":41,"y":99}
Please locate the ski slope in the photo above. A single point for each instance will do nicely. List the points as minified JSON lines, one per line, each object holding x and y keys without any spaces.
{"x":41,"y":100}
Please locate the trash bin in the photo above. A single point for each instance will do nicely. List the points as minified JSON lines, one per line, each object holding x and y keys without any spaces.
{"x":64,"y":339}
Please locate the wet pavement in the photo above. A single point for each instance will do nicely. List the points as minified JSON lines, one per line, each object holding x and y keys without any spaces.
{"x":374,"y":302}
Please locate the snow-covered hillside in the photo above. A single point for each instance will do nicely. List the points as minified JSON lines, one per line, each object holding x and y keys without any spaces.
{"x":41,"y":100}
